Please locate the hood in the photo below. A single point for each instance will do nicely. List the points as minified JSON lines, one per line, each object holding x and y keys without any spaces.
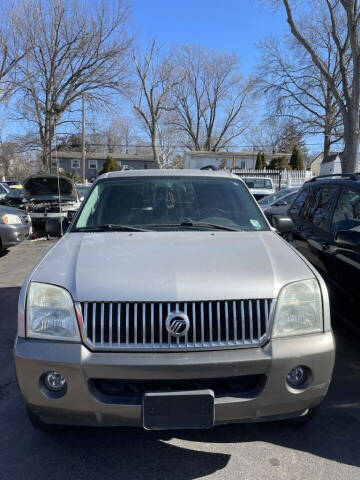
{"x":11,"y":210}
{"x":171,"y":266}
{"x":46,"y":185}
{"x":261,"y":191}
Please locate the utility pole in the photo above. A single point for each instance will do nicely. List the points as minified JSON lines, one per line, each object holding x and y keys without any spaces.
{"x":83,"y":151}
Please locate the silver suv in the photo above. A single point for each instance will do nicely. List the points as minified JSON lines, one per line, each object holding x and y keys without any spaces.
{"x":171,"y":303}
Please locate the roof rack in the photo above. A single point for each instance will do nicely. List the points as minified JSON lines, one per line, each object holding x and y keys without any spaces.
{"x":350,"y":176}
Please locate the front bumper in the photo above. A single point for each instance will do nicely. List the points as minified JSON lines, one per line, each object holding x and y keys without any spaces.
{"x":13,"y":234}
{"x":79,"y":406}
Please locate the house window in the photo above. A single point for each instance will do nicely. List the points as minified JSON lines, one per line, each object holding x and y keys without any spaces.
{"x":93,"y":164}
{"x":75,"y":163}
{"x":242,"y":164}
{"x":119,"y":162}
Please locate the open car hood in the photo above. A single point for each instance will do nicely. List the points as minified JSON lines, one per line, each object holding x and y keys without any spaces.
{"x":45,"y":185}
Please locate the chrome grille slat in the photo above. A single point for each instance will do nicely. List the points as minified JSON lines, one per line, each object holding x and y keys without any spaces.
{"x":135,"y":324}
{"x":141,"y":325}
{"x":202,"y":323}
{"x":218,"y":321}
{"x":110,"y":324}
{"x":93,"y":323}
{"x":102,"y":324}
{"x":127,"y":324}
{"x":118,"y":324}
{"x":210,"y":324}
{"x":227,"y":323}
{"x":235,"y":322}
{"x":251,"y":321}
{"x":194,"y":323}
{"x":187,"y":334}
{"x":85,"y":315}
{"x":243,"y":322}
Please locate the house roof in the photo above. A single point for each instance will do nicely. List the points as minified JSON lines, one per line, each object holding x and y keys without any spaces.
{"x":102,"y":156}
{"x":316,"y":157}
{"x":196,"y":153}
{"x":332,"y":157}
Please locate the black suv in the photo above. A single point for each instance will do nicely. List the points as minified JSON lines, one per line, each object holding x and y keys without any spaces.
{"x":326,"y":217}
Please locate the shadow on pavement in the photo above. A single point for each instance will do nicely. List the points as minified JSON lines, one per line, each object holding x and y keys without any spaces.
{"x":3,"y":253}
{"x":120,"y":453}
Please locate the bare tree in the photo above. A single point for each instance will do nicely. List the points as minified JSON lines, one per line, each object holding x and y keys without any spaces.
{"x":156,"y":78}
{"x":116,"y":134}
{"x":76,"y":49}
{"x":277,"y":135}
{"x":344,"y":17}
{"x":211,"y":102}
{"x":10,"y":50}
{"x":296,"y":89}
{"x":14,"y":165}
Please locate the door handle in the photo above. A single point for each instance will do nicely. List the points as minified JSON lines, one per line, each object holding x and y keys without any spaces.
{"x":325,"y":245}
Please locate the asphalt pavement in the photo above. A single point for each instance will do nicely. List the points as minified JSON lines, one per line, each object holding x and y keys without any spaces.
{"x":326,"y":449}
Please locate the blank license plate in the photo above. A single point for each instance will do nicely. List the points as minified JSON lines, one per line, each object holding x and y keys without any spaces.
{"x":178,"y":410}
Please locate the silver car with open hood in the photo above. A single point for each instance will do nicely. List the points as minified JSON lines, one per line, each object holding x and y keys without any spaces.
{"x":49,"y":196}
{"x":171,"y":303}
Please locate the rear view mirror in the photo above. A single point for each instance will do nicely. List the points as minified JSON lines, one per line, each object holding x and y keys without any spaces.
{"x":282,"y":223}
{"x":348,"y":238}
{"x":53,"y":226}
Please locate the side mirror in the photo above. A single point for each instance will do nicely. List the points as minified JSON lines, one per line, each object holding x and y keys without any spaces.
{"x":53,"y":226}
{"x":280,"y":203}
{"x":348,"y":238}
{"x":283,"y":224}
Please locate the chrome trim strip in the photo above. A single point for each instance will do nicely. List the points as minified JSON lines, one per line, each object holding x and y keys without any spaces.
{"x":135,"y":325}
{"x":110,"y":324}
{"x":102,"y":324}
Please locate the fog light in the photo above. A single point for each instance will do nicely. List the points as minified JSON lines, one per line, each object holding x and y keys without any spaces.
{"x":54,"y":381}
{"x":297,"y":376}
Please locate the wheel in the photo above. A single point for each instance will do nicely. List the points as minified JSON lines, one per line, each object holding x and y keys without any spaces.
{"x":308,"y":417}
{"x":40,"y":425}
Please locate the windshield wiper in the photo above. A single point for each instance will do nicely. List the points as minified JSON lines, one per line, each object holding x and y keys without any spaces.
{"x":196,"y":225}
{"x":110,"y":227}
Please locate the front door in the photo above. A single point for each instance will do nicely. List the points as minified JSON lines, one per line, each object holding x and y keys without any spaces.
{"x":343,"y":263}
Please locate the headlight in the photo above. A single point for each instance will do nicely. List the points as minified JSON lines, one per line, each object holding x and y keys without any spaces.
{"x":298,"y":309}
{"x":50,"y":313}
{"x":11,"y":219}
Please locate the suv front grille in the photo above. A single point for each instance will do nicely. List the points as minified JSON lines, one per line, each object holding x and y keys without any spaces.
{"x":141,"y":326}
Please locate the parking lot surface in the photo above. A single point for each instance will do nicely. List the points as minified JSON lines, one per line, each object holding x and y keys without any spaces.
{"x":327,"y":448}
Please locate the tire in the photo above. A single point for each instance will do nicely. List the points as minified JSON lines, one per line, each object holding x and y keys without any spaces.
{"x":304,"y":419}
{"x":40,"y":425}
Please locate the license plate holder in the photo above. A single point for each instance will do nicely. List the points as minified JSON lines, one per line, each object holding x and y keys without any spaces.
{"x":178,"y":410}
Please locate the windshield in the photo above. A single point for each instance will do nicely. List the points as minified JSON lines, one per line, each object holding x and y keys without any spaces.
{"x":15,"y":193}
{"x":263,"y":183}
{"x":274,"y":196}
{"x":171,"y":203}
{"x":83,"y":190}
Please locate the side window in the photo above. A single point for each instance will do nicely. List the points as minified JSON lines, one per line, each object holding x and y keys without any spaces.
{"x":299,"y":202}
{"x":289,"y":198}
{"x":347,"y":211}
{"x":319,"y":211}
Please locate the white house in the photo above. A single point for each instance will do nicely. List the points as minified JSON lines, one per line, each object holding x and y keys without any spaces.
{"x":331,"y":164}
{"x":315,"y":164}
{"x":242,"y":160}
